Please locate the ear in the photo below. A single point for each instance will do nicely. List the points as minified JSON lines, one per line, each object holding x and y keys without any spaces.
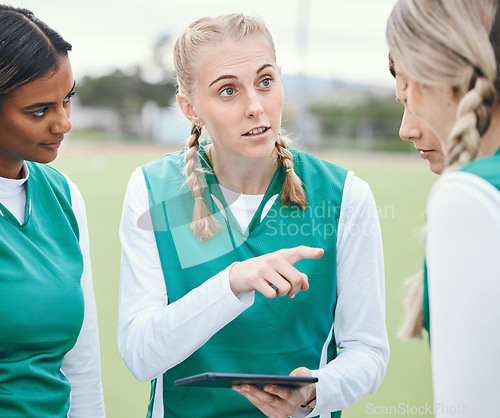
{"x":187,"y":108}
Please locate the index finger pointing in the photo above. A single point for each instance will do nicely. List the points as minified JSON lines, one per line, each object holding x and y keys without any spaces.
{"x":292,"y":255}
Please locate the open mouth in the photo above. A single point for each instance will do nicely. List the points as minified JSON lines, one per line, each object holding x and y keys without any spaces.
{"x":256,"y":131}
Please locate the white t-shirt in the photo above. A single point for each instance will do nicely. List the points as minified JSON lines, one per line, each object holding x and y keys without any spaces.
{"x":154,"y":336}
{"x":463,"y":261}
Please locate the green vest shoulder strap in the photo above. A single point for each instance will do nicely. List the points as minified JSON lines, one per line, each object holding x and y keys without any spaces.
{"x":488,"y":168}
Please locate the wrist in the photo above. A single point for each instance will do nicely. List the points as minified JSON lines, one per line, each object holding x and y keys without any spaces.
{"x":231,"y":284}
{"x":309,"y":406}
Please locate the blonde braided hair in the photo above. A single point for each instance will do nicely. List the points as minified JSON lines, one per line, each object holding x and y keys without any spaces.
{"x":203,"y":224}
{"x":292,"y":192}
{"x":198,"y":35}
{"x":448,"y":43}
{"x":473,"y":118}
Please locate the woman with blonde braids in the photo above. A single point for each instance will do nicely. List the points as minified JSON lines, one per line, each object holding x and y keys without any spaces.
{"x":215,"y":236}
{"x":447,"y":52}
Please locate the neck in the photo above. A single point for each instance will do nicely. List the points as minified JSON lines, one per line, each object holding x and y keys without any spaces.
{"x":490,"y":141}
{"x":9,"y":171}
{"x":249,"y":176}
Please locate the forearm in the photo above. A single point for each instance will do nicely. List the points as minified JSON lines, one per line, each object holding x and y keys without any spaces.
{"x":159,"y":336}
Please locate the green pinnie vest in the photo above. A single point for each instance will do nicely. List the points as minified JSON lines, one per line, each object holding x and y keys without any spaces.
{"x":41,"y":300}
{"x":489,"y":169}
{"x":272,"y":336}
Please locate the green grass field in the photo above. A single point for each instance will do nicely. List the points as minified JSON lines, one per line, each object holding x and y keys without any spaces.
{"x":400,"y":184}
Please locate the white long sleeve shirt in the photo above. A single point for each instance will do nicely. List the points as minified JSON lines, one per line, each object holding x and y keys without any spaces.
{"x":153,"y":336}
{"x":463,"y":262}
{"x":81,"y":365}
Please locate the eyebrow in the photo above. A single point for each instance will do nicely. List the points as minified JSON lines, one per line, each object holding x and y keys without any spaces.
{"x":233,"y":77}
{"x":45,"y":104}
{"x":223,"y":77}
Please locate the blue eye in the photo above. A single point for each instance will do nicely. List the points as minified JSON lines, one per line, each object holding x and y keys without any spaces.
{"x":227,"y":92}
{"x":266,"y":82}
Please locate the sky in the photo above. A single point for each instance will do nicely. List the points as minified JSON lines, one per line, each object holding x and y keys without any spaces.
{"x":342,"y":39}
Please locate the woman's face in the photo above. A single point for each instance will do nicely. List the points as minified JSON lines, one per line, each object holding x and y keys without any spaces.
{"x":414,"y":129}
{"x":34,"y":119}
{"x":238,"y":98}
{"x":435,"y":106}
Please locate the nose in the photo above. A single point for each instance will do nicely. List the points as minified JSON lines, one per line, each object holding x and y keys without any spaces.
{"x":61,"y":123}
{"x":410,"y":127}
{"x":253,"y":106}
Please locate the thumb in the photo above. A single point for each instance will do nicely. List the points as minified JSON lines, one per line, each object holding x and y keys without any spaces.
{"x":301,"y":371}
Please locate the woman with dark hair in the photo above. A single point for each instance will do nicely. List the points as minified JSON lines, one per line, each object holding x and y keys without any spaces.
{"x":49,"y":346}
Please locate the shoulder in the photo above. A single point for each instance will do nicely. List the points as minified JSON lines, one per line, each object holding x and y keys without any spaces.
{"x":461,"y":186}
{"x":65,"y":191}
{"x":58,"y":182}
{"x":302,"y":157}
{"x":487,"y":168}
{"x":463,"y":195}
{"x":49,"y":172}
{"x":358,"y":188}
{"x":312,"y":168}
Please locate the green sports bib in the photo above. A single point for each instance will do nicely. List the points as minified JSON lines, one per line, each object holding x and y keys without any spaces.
{"x":272,"y":336}
{"x":41,"y":300}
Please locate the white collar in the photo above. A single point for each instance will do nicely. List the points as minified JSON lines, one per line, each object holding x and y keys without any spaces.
{"x":13,"y":187}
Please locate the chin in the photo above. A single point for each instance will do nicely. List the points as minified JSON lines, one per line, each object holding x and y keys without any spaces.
{"x":436,"y":168}
{"x":46,"y":159}
{"x":260,"y":152}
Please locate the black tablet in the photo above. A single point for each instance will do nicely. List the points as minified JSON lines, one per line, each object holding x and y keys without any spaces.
{"x":226,"y":380}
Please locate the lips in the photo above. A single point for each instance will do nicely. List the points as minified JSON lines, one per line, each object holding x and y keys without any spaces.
{"x":425,"y":153}
{"x":52,"y":145}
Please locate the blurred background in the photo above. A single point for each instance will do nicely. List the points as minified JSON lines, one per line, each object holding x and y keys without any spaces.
{"x":340,"y":105}
{"x":332,"y":53}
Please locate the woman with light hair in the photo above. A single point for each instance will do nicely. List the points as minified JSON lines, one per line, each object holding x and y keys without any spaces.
{"x":215,"y":235}
{"x":447,"y":53}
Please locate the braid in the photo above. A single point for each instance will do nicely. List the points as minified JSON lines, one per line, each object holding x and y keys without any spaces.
{"x":473,"y":118}
{"x":203,"y":225}
{"x":412,"y":325}
{"x":292,"y":191}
